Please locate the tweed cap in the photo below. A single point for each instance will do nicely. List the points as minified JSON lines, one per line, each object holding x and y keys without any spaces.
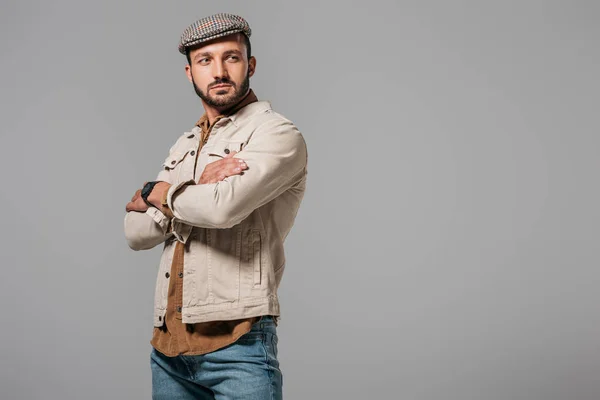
{"x":212,"y":27}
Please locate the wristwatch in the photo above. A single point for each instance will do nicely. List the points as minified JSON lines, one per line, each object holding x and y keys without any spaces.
{"x":146,"y":190}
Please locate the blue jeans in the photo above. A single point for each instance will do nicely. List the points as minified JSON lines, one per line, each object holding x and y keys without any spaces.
{"x":246,"y":369}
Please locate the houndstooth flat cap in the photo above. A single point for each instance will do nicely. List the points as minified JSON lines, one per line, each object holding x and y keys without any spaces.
{"x":212,"y":27}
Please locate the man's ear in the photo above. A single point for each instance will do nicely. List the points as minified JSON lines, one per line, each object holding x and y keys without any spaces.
{"x":251,"y":66}
{"x":188,"y":72}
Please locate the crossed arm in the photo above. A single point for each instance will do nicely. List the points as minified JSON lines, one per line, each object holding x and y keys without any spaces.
{"x":273,"y":161}
{"x":147,"y":226}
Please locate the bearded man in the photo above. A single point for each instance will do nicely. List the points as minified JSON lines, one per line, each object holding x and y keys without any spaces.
{"x":222,"y":205}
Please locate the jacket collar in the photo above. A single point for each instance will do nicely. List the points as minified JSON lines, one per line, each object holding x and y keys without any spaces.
{"x":250,"y":110}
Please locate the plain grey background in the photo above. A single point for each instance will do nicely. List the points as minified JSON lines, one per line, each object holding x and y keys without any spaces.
{"x":447,"y":245}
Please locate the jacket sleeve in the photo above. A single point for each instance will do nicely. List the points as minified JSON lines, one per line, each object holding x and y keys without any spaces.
{"x":144,"y":230}
{"x":276,"y":157}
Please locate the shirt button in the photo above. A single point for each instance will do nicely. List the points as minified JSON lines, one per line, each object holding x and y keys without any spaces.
{"x":181,"y":274}
{"x":167,"y":275}
{"x":226,"y":151}
{"x":178,"y":308}
{"x":192,"y":152}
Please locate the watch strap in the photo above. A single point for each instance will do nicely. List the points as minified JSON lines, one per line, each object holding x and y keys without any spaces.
{"x":146,"y":190}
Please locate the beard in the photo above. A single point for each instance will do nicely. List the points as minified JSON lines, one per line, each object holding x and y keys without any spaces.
{"x":228,"y":100}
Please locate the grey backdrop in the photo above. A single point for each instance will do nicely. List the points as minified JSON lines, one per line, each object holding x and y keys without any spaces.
{"x":447,"y":245}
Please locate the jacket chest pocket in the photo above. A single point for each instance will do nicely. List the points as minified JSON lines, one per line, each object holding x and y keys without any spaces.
{"x":223,"y":148}
{"x":180,"y":165}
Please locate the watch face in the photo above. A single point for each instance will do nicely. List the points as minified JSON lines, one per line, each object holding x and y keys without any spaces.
{"x":147,"y":189}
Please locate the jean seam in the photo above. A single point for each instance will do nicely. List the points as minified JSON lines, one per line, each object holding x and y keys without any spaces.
{"x":269,"y":372}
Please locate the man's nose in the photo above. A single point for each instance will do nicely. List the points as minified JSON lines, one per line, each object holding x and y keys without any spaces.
{"x":219,"y":71}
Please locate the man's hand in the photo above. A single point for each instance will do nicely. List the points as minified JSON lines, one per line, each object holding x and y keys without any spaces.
{"x":137,"y":203}
{"x":158,"y":191}
{"x":218,"y":170}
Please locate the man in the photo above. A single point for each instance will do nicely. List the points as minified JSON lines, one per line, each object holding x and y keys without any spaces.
{"x":223,"y":204}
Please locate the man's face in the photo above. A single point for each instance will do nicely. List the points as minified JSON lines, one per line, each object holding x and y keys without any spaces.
{"x":220,"y":71}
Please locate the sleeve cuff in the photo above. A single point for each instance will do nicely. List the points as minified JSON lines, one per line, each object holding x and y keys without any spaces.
{"x":165,"y":207}
{"x":161,"y":219}
{"x":173,"y":189}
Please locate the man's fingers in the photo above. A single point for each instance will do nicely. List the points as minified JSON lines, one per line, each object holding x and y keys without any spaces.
{"x":218,"y":170}
{"x":136,"y":203}
{"x":233,"y":167}
{"x":239,"y":166}
{"x":242,"y":163}
{"x":136,"y":195}
{"x":231,"y":153}
{"x":224,"y":161}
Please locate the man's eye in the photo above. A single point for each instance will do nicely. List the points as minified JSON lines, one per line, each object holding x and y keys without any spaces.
{"x":203,"y":60}
{"x":234,"y":58}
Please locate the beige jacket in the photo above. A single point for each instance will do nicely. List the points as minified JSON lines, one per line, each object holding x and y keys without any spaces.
{"x":233,"y":229}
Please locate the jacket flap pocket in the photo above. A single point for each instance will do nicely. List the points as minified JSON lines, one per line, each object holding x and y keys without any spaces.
{"x":174,"y":159}
{"x":223,"y":148}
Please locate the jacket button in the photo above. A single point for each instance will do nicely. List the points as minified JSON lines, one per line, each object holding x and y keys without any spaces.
{"x":173,"y":162}
{"x":226,"y":151}
{"x":192,"y":152}
{"x":178,"y":308}
{"x":180,"y":274}
{"x":167,"y":275}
